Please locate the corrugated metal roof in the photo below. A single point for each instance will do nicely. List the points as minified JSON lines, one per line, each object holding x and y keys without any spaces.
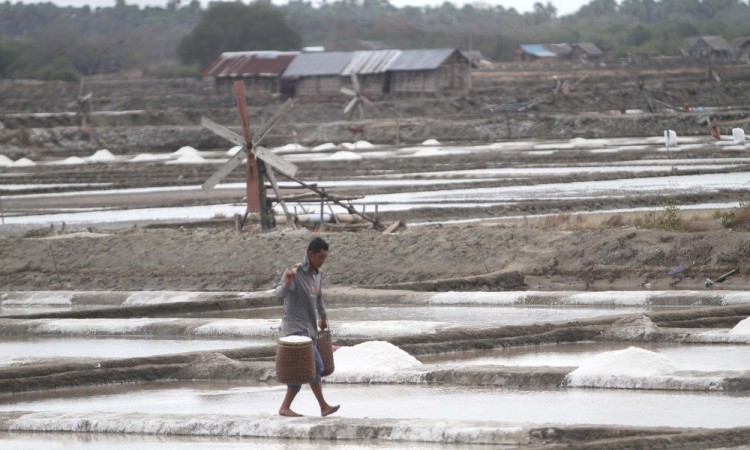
{"x":560,"y":49}
{"x":239,"y":64}
{"x":590,"y":48}
{"x":426,"y":59}
{"x":717,"y":43}
{"x":318,"y":64}
{"x":366,"y":62}
{"x":538,"y":50}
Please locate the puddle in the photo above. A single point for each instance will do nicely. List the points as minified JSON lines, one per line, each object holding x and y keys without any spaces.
{"x":571,"y":406}
{"x":685,"y":356}
{"x":14,"y":350}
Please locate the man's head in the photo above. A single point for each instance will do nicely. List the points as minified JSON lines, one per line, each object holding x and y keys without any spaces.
{"x":317,"y":251}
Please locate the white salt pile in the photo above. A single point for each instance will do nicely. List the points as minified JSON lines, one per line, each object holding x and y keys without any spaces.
{"x":186,"y":150}
{"x":431,"y":142}
{"x":188,"y":159}
{"x":145,"y":157}
{"x":291,"y":148}
{"x":324,"y":147}
{"x":346,"y":146}
{"x":234,"y":150}
{"x":738,"y":136}
{"x":670,"y":138}
{"x":428,"y":152}
{"x":103,"y":155}
{"x":372,"y":361}
{"x":72,"y":161}
{"x":5,"y":161}
{"x":345,"y":156}
{"x":23,"y":162}
{"x":621,"y":369}
{"x":363,"y":144}
{"x":741,"y":329}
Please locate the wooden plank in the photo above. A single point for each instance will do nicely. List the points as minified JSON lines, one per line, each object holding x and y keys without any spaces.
{"x":280,"y":199}
{"x":347,"y":91}
{"x":222,"y":131}
{"x":277,"y":162}
{"x":239,"y":96}
{"x":224,"y":170}
{"x":266,"y":128}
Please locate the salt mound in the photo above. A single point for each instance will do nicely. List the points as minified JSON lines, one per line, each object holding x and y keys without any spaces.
{"x":363,"y":144}
{"x":346,"y":146}
{"x":431,"y":142}
{"x":145,"y":157}
{"x":742,"y":328}
{"x":618,"y":368}
{"x":371,"y":361}
{"x":428,"y":152}
{"x":291,"y":148}
{"x":72,"y":160}
{"x":324,"y":147}
{"x":234,"y":150}
{"x":24,"y":162}
{"x":102,"y":155}
{"x":186,"y":150}
{"x":345,"y":156}
{"x":5,"y":161}
{"x":188,"y":159}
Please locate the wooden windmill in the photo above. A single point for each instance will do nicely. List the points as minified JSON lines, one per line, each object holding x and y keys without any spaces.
{"x":258,"y":158}
{"x":358,"y":99}
{"x":261,"y":164}
{"x":83,"y":104}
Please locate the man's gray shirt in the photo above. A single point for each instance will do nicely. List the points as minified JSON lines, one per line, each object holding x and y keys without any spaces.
{"x":303,"y":301}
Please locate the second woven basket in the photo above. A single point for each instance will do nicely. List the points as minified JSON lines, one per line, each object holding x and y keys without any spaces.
{"x":325,"y":348}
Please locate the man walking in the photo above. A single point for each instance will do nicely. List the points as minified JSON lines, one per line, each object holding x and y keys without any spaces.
{"x":303,"y":303}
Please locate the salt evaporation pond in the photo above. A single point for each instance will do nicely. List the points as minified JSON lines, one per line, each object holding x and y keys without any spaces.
{"x":103,"y":441}
{"x":18,"y":350}
{"x":474,"y":315}
{"x":685,"y":356}
{"x":567,"y":406}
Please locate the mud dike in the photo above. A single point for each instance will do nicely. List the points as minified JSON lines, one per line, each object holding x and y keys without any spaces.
{"x":526,"y":369}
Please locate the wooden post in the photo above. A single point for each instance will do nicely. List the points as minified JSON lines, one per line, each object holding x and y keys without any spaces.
{"x":322,"y":203}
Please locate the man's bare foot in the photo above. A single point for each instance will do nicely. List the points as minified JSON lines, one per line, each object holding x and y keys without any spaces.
{"x":330,"y":410}
{"x":286,"y":412}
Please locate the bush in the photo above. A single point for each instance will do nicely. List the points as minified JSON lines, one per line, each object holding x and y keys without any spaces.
{"x":738,"y":218}
{"x":669,"y":220}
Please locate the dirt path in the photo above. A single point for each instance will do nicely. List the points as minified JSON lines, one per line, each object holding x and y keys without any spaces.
{"x":204,"y":259}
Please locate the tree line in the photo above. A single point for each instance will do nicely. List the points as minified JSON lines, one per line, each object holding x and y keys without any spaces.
{"x":45,"y":41}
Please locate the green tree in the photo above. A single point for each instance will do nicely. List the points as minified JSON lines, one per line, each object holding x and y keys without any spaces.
{"x":226,"y":27}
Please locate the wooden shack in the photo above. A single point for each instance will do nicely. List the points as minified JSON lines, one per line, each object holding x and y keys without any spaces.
{"x":429,"y":72}
{"x":260,"y":70}
{"x":317,"y":73}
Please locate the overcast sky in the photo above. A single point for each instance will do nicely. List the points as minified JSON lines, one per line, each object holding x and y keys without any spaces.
{"x":563,"y":6}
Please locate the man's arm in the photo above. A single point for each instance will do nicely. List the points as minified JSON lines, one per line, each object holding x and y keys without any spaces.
{"x":321,"y":305}
{"x":286,"y":283}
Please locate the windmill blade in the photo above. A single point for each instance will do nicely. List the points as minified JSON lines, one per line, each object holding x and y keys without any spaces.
{"x":350,"y":106}
{"x":222,"y":131}
{"x":347,"y":91}
{"x":367,"y":101}
{"x":266,"y":128}
{"x":355,"y":82}
{"x":280,"y":164}
{"x":87,"y":97}
{"x":239,"y":96}
{"x":224,"y":170}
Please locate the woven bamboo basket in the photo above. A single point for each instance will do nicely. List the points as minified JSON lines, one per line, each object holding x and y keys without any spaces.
{"x":325,"y":348}
{"x":295,"y":363}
